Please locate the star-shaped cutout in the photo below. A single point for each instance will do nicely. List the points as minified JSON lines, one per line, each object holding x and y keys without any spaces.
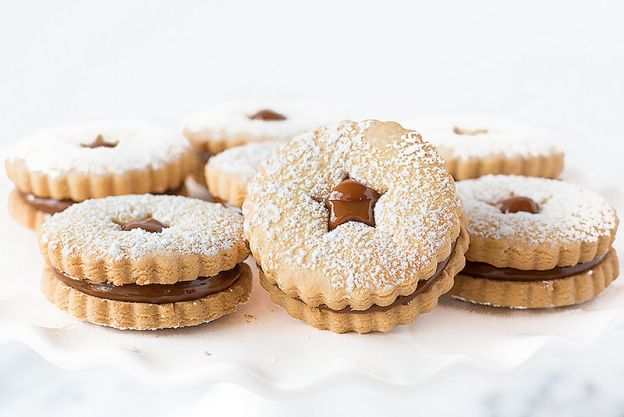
{"x":99,"y":142}
{"x":351,"y":201}
{"x":518,"y":203}
{"x":267,"y":115}
{"x":149,"y":225}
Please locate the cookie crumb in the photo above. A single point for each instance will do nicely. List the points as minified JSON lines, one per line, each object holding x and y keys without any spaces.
{"x":249,"y":318}
{"x":206,"y":353}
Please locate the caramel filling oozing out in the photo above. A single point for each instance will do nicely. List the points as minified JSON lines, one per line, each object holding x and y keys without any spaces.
{"x":351,"y":201}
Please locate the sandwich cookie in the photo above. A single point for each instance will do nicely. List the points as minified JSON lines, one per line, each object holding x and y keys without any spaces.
{"x":535,"y":243}
{"x":145,"y":262}
{"x":355,"y":227}
{"x":477,"y":147}
{"x":229,"y":172}
{"x":55,"y":168}
{"x":228,"y":125}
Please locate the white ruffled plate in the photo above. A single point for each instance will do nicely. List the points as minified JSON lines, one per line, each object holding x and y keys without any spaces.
{"x":264,"y":350}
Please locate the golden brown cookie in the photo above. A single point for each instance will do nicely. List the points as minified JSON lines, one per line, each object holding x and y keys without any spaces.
{"x":355,"y":217}
{"x":229,"y":172}
{"x":474,"y":147}
{"x":145,"y":262}
{"x":57,"y":167}
{"x":535,"y":243}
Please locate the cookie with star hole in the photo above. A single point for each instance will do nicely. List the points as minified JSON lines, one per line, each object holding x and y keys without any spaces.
{"x":233,"y":124}
{"x":474,"y":147}
{"x":535,"y":243}
{"x":145,"y":262}
{"x":55,"y":168}
{"x":355,"y":227}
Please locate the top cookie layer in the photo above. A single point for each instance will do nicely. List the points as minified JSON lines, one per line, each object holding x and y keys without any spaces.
{"x":99,"y":159}
{"x":231,"y":124}
{"x":458,"y":137}
{"x":63,"y":149}
{"x":573,"y":225}
{"x":87,"y":240}
{"x":417,"y":216}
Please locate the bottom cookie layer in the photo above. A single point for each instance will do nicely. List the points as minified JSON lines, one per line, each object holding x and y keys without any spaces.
{"x":25,"y":213}
{"x":376,"y":320}
{"x":561,"y":292}
{"x":144,"y":316}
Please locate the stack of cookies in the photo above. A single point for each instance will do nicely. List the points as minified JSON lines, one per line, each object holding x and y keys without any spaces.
{"x":145,"y":262}
{"x":354,"y":227}
{"x":535,"y":243}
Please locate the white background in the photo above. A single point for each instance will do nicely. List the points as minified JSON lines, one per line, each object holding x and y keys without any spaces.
{"x":558,"y":65}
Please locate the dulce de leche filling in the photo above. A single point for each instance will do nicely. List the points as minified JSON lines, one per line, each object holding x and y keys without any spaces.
{"x":156,"y":293}
{"x":351,"y":201}
{"x":52,"y":205}
{"x":487,"y":271}
{"x":403,"y":299}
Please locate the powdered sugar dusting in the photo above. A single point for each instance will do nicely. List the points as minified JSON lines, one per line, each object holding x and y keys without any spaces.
{"x":94,"y":227}
{"x":568,"y":213}
{"x":286,"y":220}
{"x":243,"y":161}
{"x":57,"y":151}
{"x":489,"y":137}
{"x":231,"y":120}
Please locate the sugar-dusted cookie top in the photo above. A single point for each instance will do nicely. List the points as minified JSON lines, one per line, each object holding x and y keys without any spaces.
{"x":100,"y":159}
{"x":467,"y":137}
{"x":416,"y":214}
{"x":143,"y":239}
{"x":232,"y":124}
{"x":560,"y":223}
{"x":98,"y":148}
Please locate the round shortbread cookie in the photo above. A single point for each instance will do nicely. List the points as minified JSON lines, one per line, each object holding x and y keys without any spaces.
{"x":417,"y":217}
{"x":88,"y":240}
{"x":574,"y":225}
{"x":474,"y":147}
{"x":94,"y":160}
{"x":233,"y":124}
{"x":535,"y":243}
{"x":229,"y":172}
